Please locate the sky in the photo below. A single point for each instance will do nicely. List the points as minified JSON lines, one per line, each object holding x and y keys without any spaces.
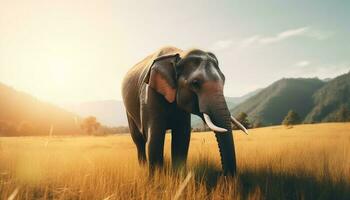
{"x":75,"y":51}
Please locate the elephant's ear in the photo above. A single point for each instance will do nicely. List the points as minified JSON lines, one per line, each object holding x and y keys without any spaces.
{"x":162,"y":76}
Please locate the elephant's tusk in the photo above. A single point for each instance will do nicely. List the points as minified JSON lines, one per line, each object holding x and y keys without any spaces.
{"x":211,"y":125}
{"x":235,"y":121}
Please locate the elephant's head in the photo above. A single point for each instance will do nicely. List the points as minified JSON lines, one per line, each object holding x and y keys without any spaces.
{"x":195,"y":83}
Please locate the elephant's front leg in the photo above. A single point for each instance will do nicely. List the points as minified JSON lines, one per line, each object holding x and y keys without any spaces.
{"x":155,"y":146}
{"x":180,"y":140}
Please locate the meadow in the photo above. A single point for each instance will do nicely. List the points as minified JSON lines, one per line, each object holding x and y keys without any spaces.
{"x":302,"y":162}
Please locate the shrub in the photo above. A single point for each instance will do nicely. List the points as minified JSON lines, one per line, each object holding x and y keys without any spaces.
{"x":291,"y":118}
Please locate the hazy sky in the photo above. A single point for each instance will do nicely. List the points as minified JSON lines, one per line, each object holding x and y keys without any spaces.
{"x":71,"y":51}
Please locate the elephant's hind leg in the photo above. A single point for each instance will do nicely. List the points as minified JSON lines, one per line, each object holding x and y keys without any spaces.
{"x":138,"y":140}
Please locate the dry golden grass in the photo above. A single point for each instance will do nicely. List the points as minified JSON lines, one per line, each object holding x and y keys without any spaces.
{"x":304,"y":162}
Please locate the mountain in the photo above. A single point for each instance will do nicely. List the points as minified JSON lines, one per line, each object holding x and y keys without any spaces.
{"x":22,"y":114}
{"x":330,"y":99}
{"x":108,"y":112}
{"x":270,"y":105}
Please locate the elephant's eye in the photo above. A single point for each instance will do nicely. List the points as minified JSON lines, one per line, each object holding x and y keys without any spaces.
{"x":196,"y":83}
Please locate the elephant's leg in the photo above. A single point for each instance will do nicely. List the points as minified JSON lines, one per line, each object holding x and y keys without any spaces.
{"x":180,"y":140}
{"x":138,"y":140}
{"x":155,"y":146}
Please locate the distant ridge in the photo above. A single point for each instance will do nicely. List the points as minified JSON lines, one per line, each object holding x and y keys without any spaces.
{"x":109,"y":112}
{"x":22,"y":114}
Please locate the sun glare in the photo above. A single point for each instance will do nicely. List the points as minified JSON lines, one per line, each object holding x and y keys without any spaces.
{"x":59,"y":73}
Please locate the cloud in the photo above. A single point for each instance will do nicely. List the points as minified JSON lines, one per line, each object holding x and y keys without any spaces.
{"x":279,"y":37}
{"x":249,"y":41}
{"x":284,"y":35}
{"x":302,"y":63}
{"x":222,"y":44}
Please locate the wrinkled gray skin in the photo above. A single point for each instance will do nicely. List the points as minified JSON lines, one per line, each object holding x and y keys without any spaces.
{"x":162,"y":90}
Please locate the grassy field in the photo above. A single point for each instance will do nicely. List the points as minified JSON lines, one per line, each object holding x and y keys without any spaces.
{"x":303,"y":162}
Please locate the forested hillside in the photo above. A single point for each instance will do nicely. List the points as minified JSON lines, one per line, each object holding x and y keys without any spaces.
{"x":332,"y":101}
{"x":313,"y":100}
{"x":271,"y":104}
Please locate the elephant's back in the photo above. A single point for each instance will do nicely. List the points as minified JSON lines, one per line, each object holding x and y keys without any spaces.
{"x":131,"y":86}
{"x":133,"y":81}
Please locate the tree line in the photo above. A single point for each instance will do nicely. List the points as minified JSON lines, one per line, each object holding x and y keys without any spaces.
{"x":91,"y":126}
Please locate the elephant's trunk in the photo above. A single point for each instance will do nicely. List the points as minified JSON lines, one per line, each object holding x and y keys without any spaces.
{"x":216,"y":108}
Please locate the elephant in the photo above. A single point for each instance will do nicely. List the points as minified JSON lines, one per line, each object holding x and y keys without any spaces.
{"x":163,"y":90}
